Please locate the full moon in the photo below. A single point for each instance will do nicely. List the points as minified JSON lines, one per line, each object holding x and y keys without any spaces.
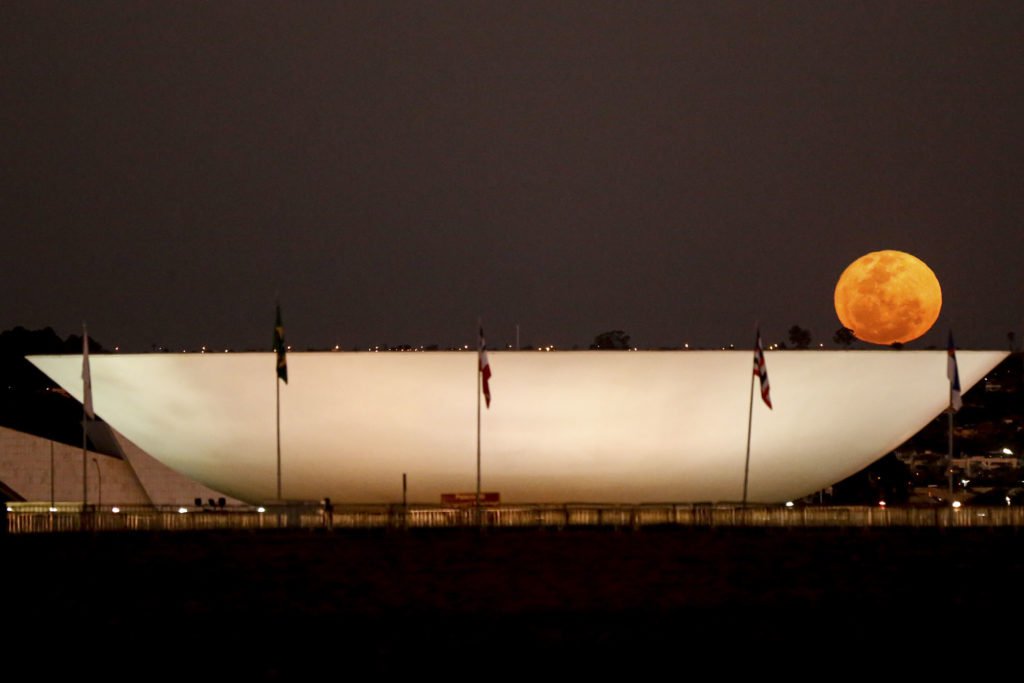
{"x":887,"y":297}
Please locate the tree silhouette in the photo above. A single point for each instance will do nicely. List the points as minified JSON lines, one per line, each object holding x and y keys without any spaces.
{"x":799,"y":337}
{"x":613,"y":340}
{"x":843,"y":336}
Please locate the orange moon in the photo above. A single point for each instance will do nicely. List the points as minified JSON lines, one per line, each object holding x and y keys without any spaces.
{"x":887,"y":297}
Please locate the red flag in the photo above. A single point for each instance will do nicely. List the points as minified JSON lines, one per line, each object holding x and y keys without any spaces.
{"x":761,"y":371}
{"x":485,"y":369}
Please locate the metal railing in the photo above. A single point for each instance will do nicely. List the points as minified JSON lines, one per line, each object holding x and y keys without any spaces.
{"x":39,"y":518}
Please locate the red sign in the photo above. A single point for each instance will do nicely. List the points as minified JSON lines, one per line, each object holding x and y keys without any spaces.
{"x":469,"y":499}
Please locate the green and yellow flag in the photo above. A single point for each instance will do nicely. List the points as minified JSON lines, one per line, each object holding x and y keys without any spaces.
{"x":279,"y":347}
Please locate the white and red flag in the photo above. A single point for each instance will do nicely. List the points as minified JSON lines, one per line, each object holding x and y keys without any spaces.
{"x":760,"y":371}
{"x":485,"y":369}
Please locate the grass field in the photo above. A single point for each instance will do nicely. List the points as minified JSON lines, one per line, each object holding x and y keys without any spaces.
{"x":280,"y":604}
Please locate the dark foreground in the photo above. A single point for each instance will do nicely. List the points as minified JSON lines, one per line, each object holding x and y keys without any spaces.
{"x":460,"y":605}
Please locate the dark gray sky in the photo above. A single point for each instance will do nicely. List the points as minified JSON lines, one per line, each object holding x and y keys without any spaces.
{"x":395,"y":169}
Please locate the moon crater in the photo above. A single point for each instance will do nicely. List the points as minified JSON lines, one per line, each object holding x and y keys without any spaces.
{"x":888,"y":297}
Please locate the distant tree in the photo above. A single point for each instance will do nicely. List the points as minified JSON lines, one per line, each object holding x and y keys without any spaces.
{"x":613,"y":340}
{"x":21,"y":342}
{"x":896,"y":345}
{"x":843,"y":336}
{"x":799,"y":337}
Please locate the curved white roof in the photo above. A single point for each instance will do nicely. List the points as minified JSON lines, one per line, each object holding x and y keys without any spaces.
{"x":563,"y":426}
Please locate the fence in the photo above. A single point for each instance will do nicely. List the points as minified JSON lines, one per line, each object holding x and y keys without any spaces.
{"x":36,"y":518}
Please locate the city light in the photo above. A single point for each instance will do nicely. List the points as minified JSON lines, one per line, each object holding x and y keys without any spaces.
{"x":182,"y":510}
{"x":115,"y":509}
{"x":956,"y":504}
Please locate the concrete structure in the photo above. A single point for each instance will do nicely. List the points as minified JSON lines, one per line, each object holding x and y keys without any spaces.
{"x":25,"y":469}
{"x":566,"y":426}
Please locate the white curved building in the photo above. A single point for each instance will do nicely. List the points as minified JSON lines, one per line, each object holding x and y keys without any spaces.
{"x":565,"y":426}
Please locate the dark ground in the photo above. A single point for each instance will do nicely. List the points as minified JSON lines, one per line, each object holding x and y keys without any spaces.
{"x":508,"y":603}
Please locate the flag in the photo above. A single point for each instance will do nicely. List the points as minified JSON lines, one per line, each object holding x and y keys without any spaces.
{"x":761,"y":371}
{"x":485,"y":369}
{"x":86,"y":377}
{"x":279,"y":347}
{"x":953,"y":373}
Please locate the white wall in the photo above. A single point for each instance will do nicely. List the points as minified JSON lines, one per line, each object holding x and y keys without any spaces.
{"x":25,"y":468}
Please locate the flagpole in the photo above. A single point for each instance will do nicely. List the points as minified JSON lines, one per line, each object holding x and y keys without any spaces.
{"x":479,"y":390}
{"x":949,"y":464}
{"x":750,"y":421}
{"x":277,"y":385}
{"x":281,"y":373}
{"x":949,"y":410}
{"x":85,"y":408}
{"x":953,"y":374}
{"x":53,"y":499}
{"x":760,"y":375}
{"x":85,"y":469}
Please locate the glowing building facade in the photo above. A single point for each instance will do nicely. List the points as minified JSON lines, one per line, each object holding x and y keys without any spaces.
{"x":566,"y":426}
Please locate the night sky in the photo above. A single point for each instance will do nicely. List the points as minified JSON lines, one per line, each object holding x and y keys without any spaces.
{"x":392,"y":170}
